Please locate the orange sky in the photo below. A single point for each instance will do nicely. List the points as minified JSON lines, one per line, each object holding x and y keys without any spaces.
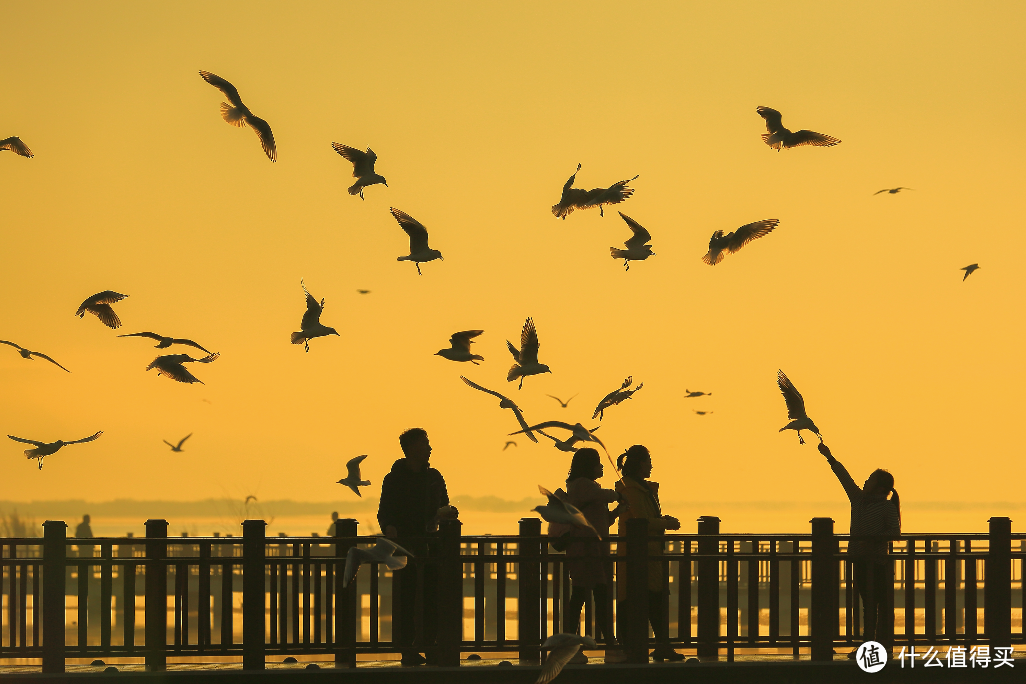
{"x":478,"y":114}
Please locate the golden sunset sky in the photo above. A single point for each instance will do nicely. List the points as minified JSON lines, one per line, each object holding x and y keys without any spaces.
{"x":479,"y":112}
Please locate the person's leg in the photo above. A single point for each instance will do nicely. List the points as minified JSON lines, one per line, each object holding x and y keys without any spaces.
{"x":657,"y":618}
{"x":430,"y":604}
{"x":884,"y":612}
{"x":867,"y":594}
{"x":407,"y":578}
{"x":603,"y":625}
{"x":572,"y":617}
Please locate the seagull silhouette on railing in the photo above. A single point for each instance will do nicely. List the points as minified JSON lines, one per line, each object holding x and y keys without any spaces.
{"x":352,"y":478}
{"x":172,"y":365}
{"x":382,"y":552}
{"x":238,"y":114}
{"x":893,"y":191}
{"x":506,"y":403}
{"x":99,"y":306}
{"x":616,"y":396}
{"x":527,"y":356}
{"x":968,"y":270}
{"x":795,"y":409}
{"x":578,"y":198}
{"x":459,"y":349}
{"x":363,"y":167}
{"x":310,"y":327}
{"x":14,"y":144}
{"x":26,"y":354}
{"x":779,"y":137}
{"x":165,"y":342}
{"x":636,"y":250}
{"x":46,"y":448}
{"x":177,"y":448}
{"x":735,"y":240}
{"x":419,"y":250}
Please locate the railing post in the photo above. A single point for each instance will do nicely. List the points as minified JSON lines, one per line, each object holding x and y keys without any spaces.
{"x":997,"y":585}
{"x":635,"y":637}
{"x":345,"y":598}
{"x":55,"y":552}
{"x":529,"y":596}
{"x":823,"y":608}
{"x":450,"y":594}
{"x":156,"y":595}
{"x":253,"y":599}
{"x":708,"y":587}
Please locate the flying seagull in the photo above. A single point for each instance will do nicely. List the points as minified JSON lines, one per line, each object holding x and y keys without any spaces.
{"x":567,"y":445}
{"x":45,"y":449}
{"x":172,"y":365}
{"x":460,"y":347}
{"x":364,"y":291}
{"x":246,"y":502}
{"x":702,"y":413}
{"x":579,"y":433}
{"x":636,"y":250}
{"x":559,"y":510}
{"x":363,"y":167}
{"x":779,"y":136}
{"x":578,"y":198}
{"x":508,"y":443}
{"x":527,"y":357}
{"x":616,"y":396}
{"x":15,"y":145}
{"x":419,"y":250}
{"x":310,"y":327}
{"x":562,"y":648}
{"x":893,"y":191}
{"x":562,"y":403}
{"x":352,"y":478}
{"x":238,"y":114}
{"x":178,"y":448}
{"x":735,"y":240}
{"x":99,"y":306}
{"x":165,"y":342}
{"x":795,"y":409}
{"x":505,"y":403}
{"x":26,"y":354}
{"x":968,"y":269}
{"x":382,"y":552}
{"x":692,"y":395}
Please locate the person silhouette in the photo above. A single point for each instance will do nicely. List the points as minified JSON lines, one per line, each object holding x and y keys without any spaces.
{"x":331,"y":527}
{"x":876,"y":516}
{"x":84,"y":531}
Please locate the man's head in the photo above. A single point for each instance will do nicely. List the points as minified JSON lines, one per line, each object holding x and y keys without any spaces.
{"x":415,"y":446}
{"x":85,"y":519}
{"x":334,"y":516}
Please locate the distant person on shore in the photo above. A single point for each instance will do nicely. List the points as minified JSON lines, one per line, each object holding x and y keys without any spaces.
{"x":331,"y":527}
{"x":642,"y":501}
{"x":84,"y":531}
{"x":872,"y":513}
{"x":413,"y":501}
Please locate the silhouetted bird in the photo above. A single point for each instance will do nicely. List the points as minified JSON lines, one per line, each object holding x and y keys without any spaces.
{"x":364,"y":291}
{"x":527,"y":356}
{"x":795,"y":409}
{"x":562,"y":403}
{"x":238,"y":114}
{"x":615,"y":397}
{"x":14,"y":144}
{"x":165,"y":342}
{"x":46,"y":448}
{"x":419,"y":250}
{"x":968,"y":270}
{"x":460,"y":347}
{"x":508,"y":443}
{"x":692,"y":395}
{"x":779,"y":136}
{"x":363,"y":167}
{"x":352,"y":478}
{"x":562,"y":648}
{"x":506,"y":403}
{"x":26,"y":354}
{"x":172,"y":365}
{"x":310,"y":327}
{"x":702,"y":413}
{"x":636,"y":250}
{"x":99,"y":306}
{"x":559,"y":510}
{"x":178,"y":447}
{"x":578,"y":198}
{"x":735,"y":240}
{"x":382,"y":552}
{"x":893,"y":191}
{"x":248,"y":499}
{"x":579,"y":433}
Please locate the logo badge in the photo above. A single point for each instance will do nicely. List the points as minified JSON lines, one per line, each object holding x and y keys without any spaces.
{"x":871,"y":656}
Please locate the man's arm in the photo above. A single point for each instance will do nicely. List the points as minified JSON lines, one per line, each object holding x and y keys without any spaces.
{"x":850,"y":488}
{"x":387,"y":508}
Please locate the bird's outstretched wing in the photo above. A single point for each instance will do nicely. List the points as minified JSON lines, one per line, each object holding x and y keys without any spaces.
{"x":414,"y":228}
{"x":528,"y":343}
{"x":27,"y":441}
{"x":190,"y":343}
{"x":640,"y":237}
{"x":313,"y":310}
{"x":353,"y":467}
{"x":151,"y":335}
{"x":884,"y":190}
{"x":15,"y":145}
{"x":16,"y":346}
{"x":180,"y":443}
{"x":44,"y":356}
{"x":86,"y":439}
{"x":772,"y":117}
{"x":208,"y":358}
{"x":263,"y":131}
{"x":107,"y":315}
{"x":483,"y":389}
{"x":105,"y":297}
{"x":557,"y":660}
{"x":523,"y":424}
{"x":745,"y":234}
{"x":792,"y":397}
{"x":363,"y":162}
{"x":168,"y":443}
{"x":547,"y":424}
{"x":804,"y":137}
{"x":463,"y":340}
{"x":224,"y":86}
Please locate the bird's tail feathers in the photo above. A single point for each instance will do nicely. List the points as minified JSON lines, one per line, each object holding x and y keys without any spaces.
{"x":560,"y":211}
{"x":298,"y":337}
{"x":618,"y":253}
{"x":713,"y":260}
{"x":355,"y":188}
{"x":233,"y":115}
{"x":515,"y":372}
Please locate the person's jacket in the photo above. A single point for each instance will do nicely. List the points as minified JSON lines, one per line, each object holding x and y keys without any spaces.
{"x":643,"y":502}
{"x":410,"y":500}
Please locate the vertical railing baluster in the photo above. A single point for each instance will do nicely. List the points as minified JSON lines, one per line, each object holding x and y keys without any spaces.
{"x":479,"y":596}
{"x":997,"y":584}
{"x":23,"y":604}
{"x":500,"y":595}
{"x":227,"y":598}
{"x":317,"y":608}
{"x":529,"y":573}
{"x":557,"y":595}
{"x":753,"y":592}
{"x":795,"y":582}
{"x":684,"y":592}
{"x":306,"y":596}
{"x":732,"y":599}
{"x":909,"y":585}
{"x":128,"y":596}
{"x":634,"y":615}
{"x":329,"y":598}
{"x":84,"y":571}
{"x":930,"y":589}
{"x":971,"y":618}
{"x":179,"y":618}
{"x":297,"y":578}
{"x":272,"y":601}
{"x":106,"y":591}
{"x":851,"y":602}
{"x":951,"y":590}
{"x":450,"y":593}
{"x":283,"y":595}
{"x":254,"y":558}
{"x":156,"y":595}
{"x":36,"y":577}
{"x":708,"y":586}
{"x":823,"y":609}
{"x":375,"y":573}
{"x":346,"y":615}
{"x":203,"y":597}
{"x":55,"y":550}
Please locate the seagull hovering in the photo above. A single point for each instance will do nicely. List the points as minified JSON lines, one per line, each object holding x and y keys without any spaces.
{"x":382,"y":552}
{"x":578,"y":198}
{"x":735,"y":240}
{"x":352,"y":478}
{"x":26,"y":354}
{"x":165,"y":342}
{"x":46,"y":448}
{"x":178,"y":448}
{"x":795,"y":409}
{"x":567,"y":445}
{"x":702,"y":413}
{"x":15,"y":145}
{"x":508,"y":443}
{"x":779,"y":136}
{"x":419,"y":250}
{"x":559,"y":510}
{"x":968,"y":270}
{"x":893,"y":191}
{"x":172,"y":365}
{"x":310,"y":327}
{"x":364,"y":291}
{"x":363,"y":167}
{"x":579,"y":433}
{"x":238,"y":114}
{"x":460,"y":347}
{"x":506,"y":404}
{"x":692,"y":395}
{"x":562,"y":648}
{"x":99,"y":306}
{"x":616,"y":396}
{"x":527,"y":357}
{"x":562,"y":403}
{"x":636,"y":250}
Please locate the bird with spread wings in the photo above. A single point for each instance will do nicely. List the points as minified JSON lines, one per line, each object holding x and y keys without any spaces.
{"x":238,"y":114}
{"x":419,"y":250}
{"x":526,"y":357}
{"x":720,"y":244}
{"x":637,"y":249}
{"x":27,"y":354}
{"x":795,"y":409}
{"x":99,"y":306}
{"x":779,"y":137}
{"x":459,"y":347}
{"x":14,"y":144}
{"x":46,"y":448}
{"x":310,"y":327}
{"x":173,"y":366}
{"x":363,"y":167}
{"x":579,"y":198}
{"x":165,"y":342}
{"x":178,"y":447}
{"x":506,"y":403}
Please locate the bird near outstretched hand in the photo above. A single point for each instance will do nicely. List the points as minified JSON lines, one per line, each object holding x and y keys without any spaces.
{"x":46,"y":448}
{"x":968,"y":270}
{"x":527,"y":356}
{"x":506,"y":403}
{"x":559,"y":510}
{"x":238,"y":114}
{"x":172,"y":365}
{"x":459,"y":349}
{"x":165,"y":342}
{"x":562,"y":648}
{"x":382,"y":552}
{"x":578,"y":198}
{"x":720,"y":244}
{"x":352,"y":478}
{"x":636,"y":250}
{"x":27,"y":354}
{"x":14,"y":144}
{"x":419,"y":250}
{"x":779,"y":137}
{"x":893,"y":191}
{"x":363,"y":167}
{"x":310,"y":327}
{"x":99,"y":306}
{"x":795,"y":409}
{"x":177,"y":448}
{"x":616,"y":396}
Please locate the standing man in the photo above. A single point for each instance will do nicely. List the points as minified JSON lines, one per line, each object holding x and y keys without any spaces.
{"x":334,"y":520}
{"x":84,"y":531}
{"x":413,"y":500}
